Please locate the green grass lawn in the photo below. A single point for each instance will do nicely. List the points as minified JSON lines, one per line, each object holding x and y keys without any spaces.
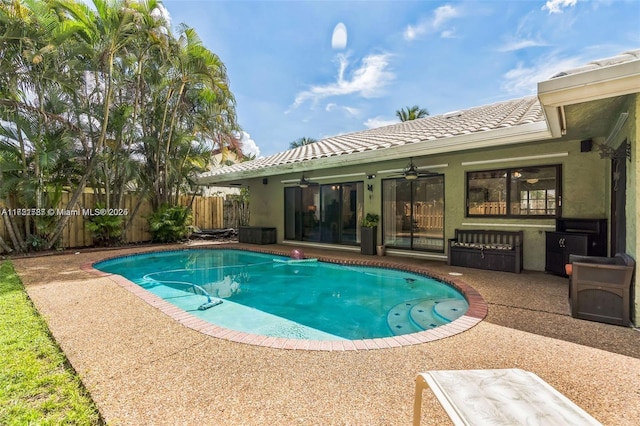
{"x":37,"y":386}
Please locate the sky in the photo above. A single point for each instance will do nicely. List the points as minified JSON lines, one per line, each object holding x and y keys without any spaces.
{"x":323,"y":68}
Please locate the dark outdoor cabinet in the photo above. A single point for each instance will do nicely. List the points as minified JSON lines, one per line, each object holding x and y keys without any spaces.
{"x":585,"y":237}
{"x":257,"y":235}
{"x":368,"y":239}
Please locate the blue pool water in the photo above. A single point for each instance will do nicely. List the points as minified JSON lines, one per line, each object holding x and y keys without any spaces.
{"x":315,"y":300}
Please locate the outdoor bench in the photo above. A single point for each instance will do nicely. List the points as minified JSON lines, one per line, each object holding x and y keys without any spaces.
{"x":484,"y":249}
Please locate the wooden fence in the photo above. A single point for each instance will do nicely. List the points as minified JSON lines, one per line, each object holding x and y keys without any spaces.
{"x":494,"y":208}
{"x":428,"y":216}
{"x":208,"y":213}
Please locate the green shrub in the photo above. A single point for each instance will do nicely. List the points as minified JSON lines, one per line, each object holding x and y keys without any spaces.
{"x":371,"y":220}
{"x":105,"y":229}
{"x":170,"y":224}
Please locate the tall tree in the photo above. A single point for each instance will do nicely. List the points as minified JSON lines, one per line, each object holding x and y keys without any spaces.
{"x":35,"y":138}
{"x":302,"y":142}
{"x":194,"y":108}
{"x":411,"y":113}
{"x":103,"y":97}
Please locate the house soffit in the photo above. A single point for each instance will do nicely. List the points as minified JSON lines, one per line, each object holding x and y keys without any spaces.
{"x":578,"y":102}
{"x":593,"y":119}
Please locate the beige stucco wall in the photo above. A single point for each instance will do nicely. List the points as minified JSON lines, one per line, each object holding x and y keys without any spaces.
{"x":585,"y":183}
{"x":267,"y":204}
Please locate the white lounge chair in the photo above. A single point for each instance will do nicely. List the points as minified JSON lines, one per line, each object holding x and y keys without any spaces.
{"x":498,"y":397}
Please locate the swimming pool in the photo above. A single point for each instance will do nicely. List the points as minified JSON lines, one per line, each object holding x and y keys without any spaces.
{"x":263,"y":294}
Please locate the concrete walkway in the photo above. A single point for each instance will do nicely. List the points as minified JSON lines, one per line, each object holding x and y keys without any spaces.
{"x":143,"y":367}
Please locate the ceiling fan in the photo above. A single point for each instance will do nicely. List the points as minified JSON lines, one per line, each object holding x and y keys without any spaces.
{"x":304,"y":182}
{"x":412,"y":172}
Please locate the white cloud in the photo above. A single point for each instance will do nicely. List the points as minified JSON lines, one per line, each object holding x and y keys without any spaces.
{"x":556,"y":6}
{"x":249,"y":146}
{"x":523,"y":80}
{"x":448,"y":34}
{"x":527,"y":35}
{"x":350,"y":110}
{"x":519,"y":44}
{"x":161,"y":11}
{"x":367,"y":81}
{"x":441,"y":15}
{"x":379,"y":121}
{"x":339,"y":38}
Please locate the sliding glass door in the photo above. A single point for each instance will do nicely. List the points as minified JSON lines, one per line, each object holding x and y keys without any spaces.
{"x":413,"y":213}
{"x":324,"y":213}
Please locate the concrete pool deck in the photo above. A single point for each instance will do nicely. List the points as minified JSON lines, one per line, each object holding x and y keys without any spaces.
{"x":143,"y":367}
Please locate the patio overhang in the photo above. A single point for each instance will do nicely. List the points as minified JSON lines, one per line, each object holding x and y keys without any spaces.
{"x":586,"y":86}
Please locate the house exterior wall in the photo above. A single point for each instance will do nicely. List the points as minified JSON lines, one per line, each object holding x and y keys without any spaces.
{"x":583,"y":175}
{"x":631,"y":132}
{"x":266,"y":204}
{"x":585,"y":185}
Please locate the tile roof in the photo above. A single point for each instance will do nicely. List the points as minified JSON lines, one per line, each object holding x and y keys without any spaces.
{"x":485,"y":118}
{"x":628,"y":56}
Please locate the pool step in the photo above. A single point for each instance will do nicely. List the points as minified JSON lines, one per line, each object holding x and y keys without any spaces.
{"x":423,"y":314}
{"x":451,"y":309}
{"x":399,"y":319}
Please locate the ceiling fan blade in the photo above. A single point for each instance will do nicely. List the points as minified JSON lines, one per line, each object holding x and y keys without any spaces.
{"x":427,"y":173}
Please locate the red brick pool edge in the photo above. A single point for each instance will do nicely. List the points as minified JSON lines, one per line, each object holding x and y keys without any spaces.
{"x":477,"y":310}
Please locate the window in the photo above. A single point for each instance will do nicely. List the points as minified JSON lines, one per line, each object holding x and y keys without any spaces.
{"x":413,"y":213}
{"x":522,"y":192}
{"x":324,"y":213}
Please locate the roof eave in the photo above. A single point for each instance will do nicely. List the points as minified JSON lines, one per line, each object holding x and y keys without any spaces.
{"x":556,"y":93}
{"x":491,"y":138}
{"x":606,"y":82}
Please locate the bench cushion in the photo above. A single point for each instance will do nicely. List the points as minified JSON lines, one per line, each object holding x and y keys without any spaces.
{"x":482,"y":246}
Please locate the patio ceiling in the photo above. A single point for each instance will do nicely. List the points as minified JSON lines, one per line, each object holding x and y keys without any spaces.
{"x":593,"y":119}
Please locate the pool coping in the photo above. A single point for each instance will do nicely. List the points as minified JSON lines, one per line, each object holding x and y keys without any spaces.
{"x":477,"y":311}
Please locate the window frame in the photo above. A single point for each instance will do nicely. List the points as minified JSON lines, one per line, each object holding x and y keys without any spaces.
{"x":507,"y":172}
{"x":294,"y":198}
{"x":412,"y":246}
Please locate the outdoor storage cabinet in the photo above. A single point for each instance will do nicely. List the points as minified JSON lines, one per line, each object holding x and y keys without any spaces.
{"x":586,"y":237}
{"x":257,"y":235}
{"x":600,"y":288}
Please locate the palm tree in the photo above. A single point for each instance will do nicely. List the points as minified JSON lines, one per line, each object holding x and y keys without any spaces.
{"x":195,"y":106}
{"x":36,"y":140}
{"x":103,"y":35}
{"x":301,"y":142}
{"x":411,"y":113}
{"x":107,"y":97}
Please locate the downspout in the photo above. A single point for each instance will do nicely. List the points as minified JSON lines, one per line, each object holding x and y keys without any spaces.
{"x":563,"y":120}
